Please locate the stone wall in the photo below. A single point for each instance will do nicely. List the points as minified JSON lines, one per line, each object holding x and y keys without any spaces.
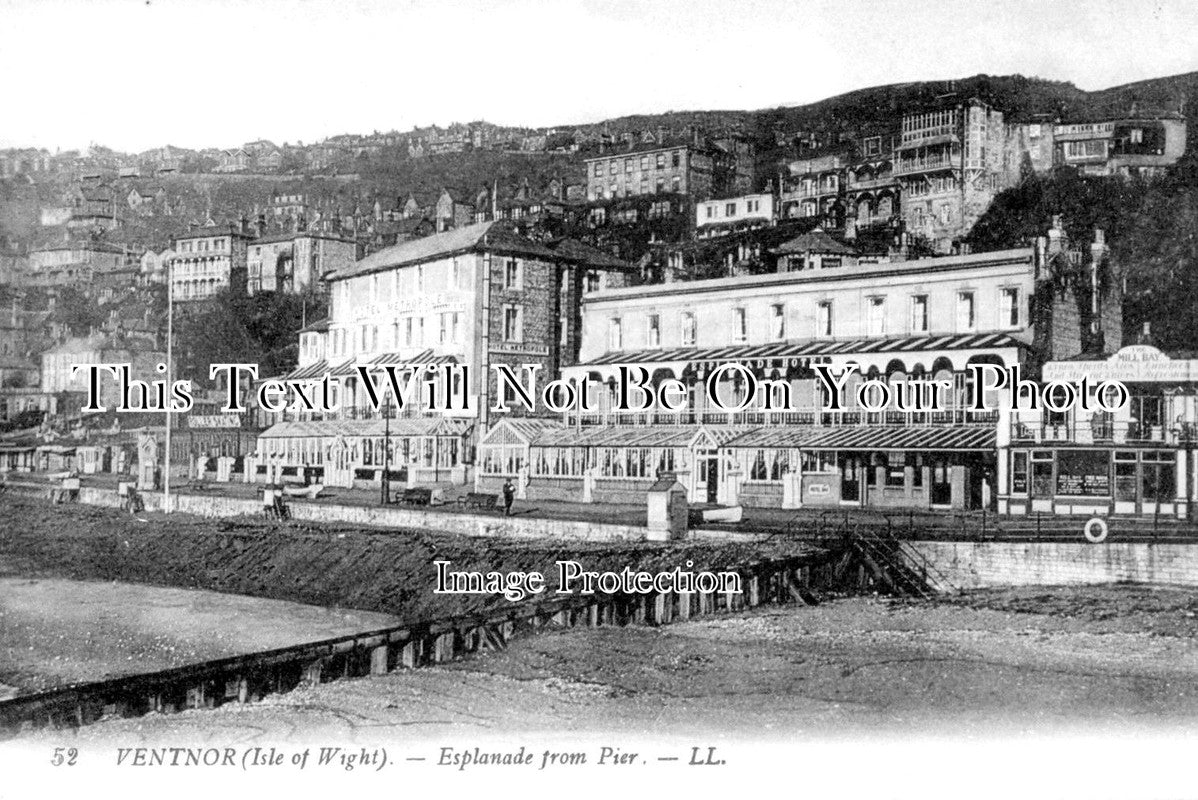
{"x":978,"y":565}
{"x":465,"y":524}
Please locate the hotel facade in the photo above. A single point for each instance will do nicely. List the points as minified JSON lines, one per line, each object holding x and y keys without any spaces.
{"x":479,"y":295}
{"x":896,"y":321}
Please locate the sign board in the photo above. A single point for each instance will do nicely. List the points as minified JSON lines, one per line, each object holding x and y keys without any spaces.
{"x":1134,"y":364}
{"x":520,"y":349}
{"x":214,"y":421}
{"x":1084,"y":473}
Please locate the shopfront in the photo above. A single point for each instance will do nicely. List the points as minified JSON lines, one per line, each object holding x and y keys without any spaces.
{"x":784,"y":466}
{"x":422,"y":450}
{"x":1137,"y":461}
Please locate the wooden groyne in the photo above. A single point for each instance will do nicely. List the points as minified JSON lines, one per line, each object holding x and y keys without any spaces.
{"x":249,"y":678}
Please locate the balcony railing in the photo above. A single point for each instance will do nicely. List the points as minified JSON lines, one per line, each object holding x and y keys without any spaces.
{"x":930,"y":132}
{"x":355,"y":413}
{"x":800,"y":192}
{"x":872,"y":183}
{"x":914,"y":165}
{"x":1104,"y":432}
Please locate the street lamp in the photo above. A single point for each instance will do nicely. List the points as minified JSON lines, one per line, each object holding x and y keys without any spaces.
{"x":170,"y":335}
{"x":385,"y":483}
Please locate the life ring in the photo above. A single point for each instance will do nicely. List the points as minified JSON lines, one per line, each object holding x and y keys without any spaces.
{"x":1095,"y":530}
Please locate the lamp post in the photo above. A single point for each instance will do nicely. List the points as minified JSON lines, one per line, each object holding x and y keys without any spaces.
{"x":170,"y":335}
{"x":385,"y":483}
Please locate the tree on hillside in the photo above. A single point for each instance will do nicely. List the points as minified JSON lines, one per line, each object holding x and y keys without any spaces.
{"x":1018,"y":215}
{"x":1151,"y":226}
{"x":211,"y":333}
{"x":1159,"y":254}
{"x":260,"y":329}
{"x":78,"y":312}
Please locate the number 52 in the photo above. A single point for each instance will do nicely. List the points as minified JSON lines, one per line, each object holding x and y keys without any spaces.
{"x":64,"y":755}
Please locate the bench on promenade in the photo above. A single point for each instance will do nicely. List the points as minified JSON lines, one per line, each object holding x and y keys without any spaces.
{"x":416,"y":497}
{"x":480,"y":500}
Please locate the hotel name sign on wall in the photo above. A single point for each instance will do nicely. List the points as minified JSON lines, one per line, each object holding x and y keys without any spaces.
{"x":1134,"y":364}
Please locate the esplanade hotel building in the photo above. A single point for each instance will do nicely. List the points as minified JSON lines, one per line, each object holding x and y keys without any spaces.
{"x":896,"y":319}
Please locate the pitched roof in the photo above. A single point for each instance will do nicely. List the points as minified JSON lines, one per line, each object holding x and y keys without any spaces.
{"x":316,"y":327}
{"x":588,"y":255}
{"x":480,"y":236}
{"x":816,"y":241}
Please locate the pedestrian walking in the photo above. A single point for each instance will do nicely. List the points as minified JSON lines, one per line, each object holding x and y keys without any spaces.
{"x":509,"y":496}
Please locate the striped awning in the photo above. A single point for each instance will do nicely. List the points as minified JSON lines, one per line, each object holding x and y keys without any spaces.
{"x":314,"y":370}
{"x":873,"y":437}
{"x":427,"y":357}
{"x":810,"y":348}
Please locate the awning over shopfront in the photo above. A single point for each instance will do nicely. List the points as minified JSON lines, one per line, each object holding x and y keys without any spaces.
{"x":310,"y":372}
{"x":981,"y":438}
{"x":546,"y":433}
{"x":782,"y":351}
{"x":350,"y":365}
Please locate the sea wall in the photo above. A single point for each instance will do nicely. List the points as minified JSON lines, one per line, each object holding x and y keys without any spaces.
{"x":521,"y":526}
{"x":977,"y":565}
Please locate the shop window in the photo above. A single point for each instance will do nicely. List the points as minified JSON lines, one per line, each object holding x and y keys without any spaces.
{"x":819,"y":461}
{"x":1158,"y":476}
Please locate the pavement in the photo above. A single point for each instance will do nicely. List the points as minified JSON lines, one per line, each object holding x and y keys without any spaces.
{"x":924,"y":523}
{"x":756,"y":520}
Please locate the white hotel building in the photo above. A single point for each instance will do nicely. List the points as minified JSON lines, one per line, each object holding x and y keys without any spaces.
{"x":899,"y":320}
{"x":476,"y":295}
